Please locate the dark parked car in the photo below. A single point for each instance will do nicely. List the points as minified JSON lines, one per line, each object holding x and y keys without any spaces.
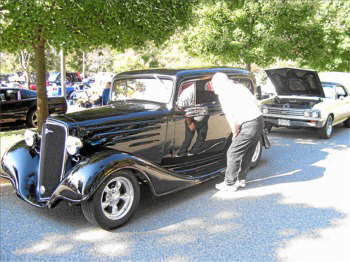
{"x":17,"y":104}
{"x":100,"y":157}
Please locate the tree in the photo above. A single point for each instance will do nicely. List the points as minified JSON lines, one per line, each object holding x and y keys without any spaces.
{"x":25,"y":61}
{"x":255,"y":31}
{"x":74,"y":24}
{"x":334,"y":15}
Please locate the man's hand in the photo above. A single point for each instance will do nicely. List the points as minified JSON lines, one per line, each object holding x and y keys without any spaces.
{"x":237,"y":130}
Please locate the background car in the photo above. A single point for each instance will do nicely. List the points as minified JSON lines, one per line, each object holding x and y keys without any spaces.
{"x":302,"y":101}
{"x":17,"y":104}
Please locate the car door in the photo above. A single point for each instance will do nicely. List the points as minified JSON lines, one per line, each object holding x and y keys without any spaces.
{"x":11,"y":106}
{"x":343,"y":102}
{"x":200,"y":127}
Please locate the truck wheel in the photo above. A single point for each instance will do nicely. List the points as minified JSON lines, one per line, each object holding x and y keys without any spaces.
{"x":32,"y":118}
{"x":257,"y":155}
{"x":347,"y":123}
{"x":114,"y":202}
{"x":327,"y":130}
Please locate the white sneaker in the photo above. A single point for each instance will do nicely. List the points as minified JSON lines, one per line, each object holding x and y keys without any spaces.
{"x":242,"y":183}
{"x":223,"y":187}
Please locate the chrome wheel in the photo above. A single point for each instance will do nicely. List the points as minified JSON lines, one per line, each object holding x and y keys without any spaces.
{"x":35,"y":119}
{"x":256,"y":152}
{"x":329,"y":127}
{"x":117,"y":198}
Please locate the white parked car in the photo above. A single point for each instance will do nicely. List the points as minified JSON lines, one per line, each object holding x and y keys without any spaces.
{"x":303,"y":101}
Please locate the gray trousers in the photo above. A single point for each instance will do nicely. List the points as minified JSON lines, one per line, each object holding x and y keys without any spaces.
{"x":241,"y":150}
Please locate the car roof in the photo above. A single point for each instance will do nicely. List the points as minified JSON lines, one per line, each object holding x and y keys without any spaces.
{"x":185,"y":72}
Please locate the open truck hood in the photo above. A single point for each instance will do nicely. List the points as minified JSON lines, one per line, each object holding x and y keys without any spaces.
{"x":292,"y":81}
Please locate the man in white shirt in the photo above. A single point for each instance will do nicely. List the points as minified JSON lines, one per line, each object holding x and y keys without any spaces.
{"x":246,"y":122}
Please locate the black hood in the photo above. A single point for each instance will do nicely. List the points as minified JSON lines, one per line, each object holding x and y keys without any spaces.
{"x":292,"y":81}
{"x":120,"y":110}
{"x":116,"y":123}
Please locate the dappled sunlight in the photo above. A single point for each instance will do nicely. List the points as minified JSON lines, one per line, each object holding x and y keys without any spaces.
{"x":306,"y":247}
{"x":114,"y":249}
{"x":306,"y":141}
{"x":92,"y":235}
{"x":215,"y":229}
{"x":177,"y":239}
{"x":50,"y":244}
{"x":194,"y":222}
{"x":226,"y":215}
{"x":176,"y":259}
{"x":254,"y":219}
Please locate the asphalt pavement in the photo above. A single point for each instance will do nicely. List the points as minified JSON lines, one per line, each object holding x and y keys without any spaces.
{"x":295,"y":207}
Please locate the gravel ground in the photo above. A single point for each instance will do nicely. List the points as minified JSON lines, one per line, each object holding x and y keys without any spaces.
{"x":295,"y":208}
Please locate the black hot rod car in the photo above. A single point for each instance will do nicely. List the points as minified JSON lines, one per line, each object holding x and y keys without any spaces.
{"x":162,"y":128}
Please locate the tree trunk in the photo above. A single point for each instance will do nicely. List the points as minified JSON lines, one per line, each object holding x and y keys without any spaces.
{"x":248,"y":67}
{"x":27,"y":76}
{"x":40,"y":68}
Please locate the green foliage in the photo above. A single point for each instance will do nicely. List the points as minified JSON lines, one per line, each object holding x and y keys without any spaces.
{"x":76,"y":24}
{"x":261,"y":32}
{"x":83,"y":24}
{"x":334,"y":15}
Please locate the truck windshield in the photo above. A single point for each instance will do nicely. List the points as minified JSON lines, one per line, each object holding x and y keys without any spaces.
{"x":151,"y":89}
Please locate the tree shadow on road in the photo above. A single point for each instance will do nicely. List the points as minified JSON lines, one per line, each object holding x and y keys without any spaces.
{"x":192,"y":225}
{"x":199,"y":224}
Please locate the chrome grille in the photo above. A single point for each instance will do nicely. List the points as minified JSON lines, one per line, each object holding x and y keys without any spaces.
{"x":52,"y":157}
{"x":286,"y":111}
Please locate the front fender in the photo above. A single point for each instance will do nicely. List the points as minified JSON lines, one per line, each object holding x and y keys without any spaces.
{"x":20,"y":165}
{"x":82,"y":181}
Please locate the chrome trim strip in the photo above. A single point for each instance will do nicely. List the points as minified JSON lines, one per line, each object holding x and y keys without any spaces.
{"x":293,"y":117}
{"x":49,"y":121}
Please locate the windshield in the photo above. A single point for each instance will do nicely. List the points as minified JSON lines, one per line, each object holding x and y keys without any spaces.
{"x":150,"y":89}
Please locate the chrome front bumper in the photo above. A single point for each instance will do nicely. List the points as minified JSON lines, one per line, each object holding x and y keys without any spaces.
{"x":293,"y":121}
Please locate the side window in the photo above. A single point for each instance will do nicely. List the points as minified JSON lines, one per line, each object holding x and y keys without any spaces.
{"x":27,"y":94}
{"x":2,"y":95}
{"x":196,"y":92}
{"x":204,"y":93}
{"x":340,"y":91}
{"x":186,"y":95}
{"x":245,"y":82}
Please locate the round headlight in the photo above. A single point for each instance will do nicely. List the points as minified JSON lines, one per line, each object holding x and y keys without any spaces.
{"x":265,"y":110}
{"x":316,"y":114}
{"x":73,"y":145}
{"x":29,"y":137}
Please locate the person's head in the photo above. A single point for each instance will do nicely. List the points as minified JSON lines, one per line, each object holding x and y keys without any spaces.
{"x":219,"y":82}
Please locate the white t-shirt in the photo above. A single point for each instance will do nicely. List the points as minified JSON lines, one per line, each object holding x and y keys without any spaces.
{"x":239,"y":104}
